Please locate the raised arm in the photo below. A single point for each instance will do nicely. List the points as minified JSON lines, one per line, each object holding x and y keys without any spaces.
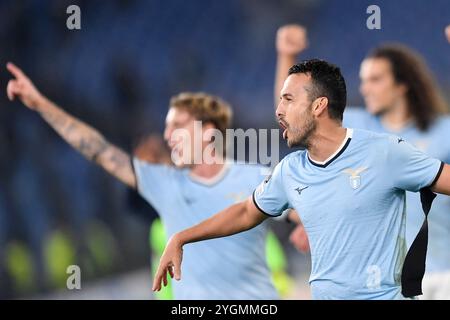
{"x":447,"y":33}
{"x":290,"y":42}
{"x":237,"y":218}
{"x":442,"y":184}
{"x":88,"y":141}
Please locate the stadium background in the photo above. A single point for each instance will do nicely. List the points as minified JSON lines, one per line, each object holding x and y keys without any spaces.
{"x":117,"y":73}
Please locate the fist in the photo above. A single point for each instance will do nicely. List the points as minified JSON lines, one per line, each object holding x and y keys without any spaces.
{"x":447,"y":33}
{"x":22,"y":87}
{"x":291,"y":39}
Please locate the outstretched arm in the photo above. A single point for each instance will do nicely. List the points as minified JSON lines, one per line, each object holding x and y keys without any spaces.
{"x":237,"y":218}
{"x":291,"y":41}
{"x":88,"y":141}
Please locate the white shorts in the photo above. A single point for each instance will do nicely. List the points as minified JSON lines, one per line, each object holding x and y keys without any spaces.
{"x":436,"y":286}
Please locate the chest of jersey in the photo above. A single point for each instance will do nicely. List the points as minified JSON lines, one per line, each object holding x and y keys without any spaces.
{"x":339,"y":193}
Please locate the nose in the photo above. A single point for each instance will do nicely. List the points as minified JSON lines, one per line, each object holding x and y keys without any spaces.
{"x":280,"y":109}
{"x":363,"y":88}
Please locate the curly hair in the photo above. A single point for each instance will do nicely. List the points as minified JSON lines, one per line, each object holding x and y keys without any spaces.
{"x":424,"y":99}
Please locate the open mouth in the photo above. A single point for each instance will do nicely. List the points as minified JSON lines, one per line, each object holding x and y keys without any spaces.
{"x":284,"y":127}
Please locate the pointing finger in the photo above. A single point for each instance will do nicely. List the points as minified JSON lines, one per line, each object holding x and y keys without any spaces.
{"x":14,"y":70}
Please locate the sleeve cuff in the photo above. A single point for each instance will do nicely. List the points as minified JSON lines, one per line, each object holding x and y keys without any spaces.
{"x":135,"y":164}
{"x":259,"y":208}
{"x":441,"y":167}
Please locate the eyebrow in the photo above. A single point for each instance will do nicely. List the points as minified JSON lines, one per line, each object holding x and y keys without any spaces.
{"x":286,"y":95}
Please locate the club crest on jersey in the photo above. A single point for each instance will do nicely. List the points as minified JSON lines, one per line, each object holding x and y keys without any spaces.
{"x":355,"y":177}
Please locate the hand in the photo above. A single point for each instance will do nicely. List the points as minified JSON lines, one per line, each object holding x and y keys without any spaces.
{"x":447,"y":33}
{"x":291,"y":39}
{"x":299,"y":239}
{"x":22,"y":87}
{"x":170,"y":262}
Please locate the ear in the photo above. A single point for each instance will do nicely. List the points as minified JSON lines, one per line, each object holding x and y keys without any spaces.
{"x":208,"y":134}
{"x":319,"y":106}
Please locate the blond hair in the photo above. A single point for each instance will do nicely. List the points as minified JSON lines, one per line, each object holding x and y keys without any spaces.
{"x":205,"y":108}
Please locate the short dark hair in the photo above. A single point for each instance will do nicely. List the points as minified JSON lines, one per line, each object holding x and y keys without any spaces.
{"x":327,"y":81}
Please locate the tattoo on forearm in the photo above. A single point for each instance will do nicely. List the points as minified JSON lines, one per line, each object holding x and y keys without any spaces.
{"x":119,"y":159}
{"x":86,"y":140}
{"x":56,"y":120}
{"x":92,"y":147}
{"x":91,"y":144}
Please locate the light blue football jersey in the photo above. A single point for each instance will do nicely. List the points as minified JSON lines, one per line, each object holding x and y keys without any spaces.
{"x":436,"y":143}
{"x":353,"y":210}
{"x":226,"y":268}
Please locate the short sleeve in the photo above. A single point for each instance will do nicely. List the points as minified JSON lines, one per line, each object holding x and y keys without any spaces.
{"x":410,"y":168}
{"x":153,"y":180}
{"x":270,"y":197}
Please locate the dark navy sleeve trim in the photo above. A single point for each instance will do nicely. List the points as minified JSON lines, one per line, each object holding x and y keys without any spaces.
{"x":259,"y":208}
{"x":441,"y":167}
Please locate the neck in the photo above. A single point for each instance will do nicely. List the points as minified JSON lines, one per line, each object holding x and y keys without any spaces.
{"x":326,"y":141}
{"x":397,"y":117}
{"x":206,"y":171}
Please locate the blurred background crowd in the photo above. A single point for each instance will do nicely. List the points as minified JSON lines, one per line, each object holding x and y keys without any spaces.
{"x":118,"y":73}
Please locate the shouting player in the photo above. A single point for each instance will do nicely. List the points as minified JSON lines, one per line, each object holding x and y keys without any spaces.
{"x":349,"y":186}
{"x":401,"y":98}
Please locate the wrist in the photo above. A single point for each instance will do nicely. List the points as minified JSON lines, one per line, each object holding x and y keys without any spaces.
{"x":287,"y":55}
{"x":40,"y":103}
{"x":178,"y":239}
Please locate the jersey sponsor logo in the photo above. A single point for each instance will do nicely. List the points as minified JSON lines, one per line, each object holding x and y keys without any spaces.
{"x":355,"y":177}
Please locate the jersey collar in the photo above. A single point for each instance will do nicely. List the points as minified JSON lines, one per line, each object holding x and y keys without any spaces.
{"x":336,"y":154}
{"x":213,"y":180}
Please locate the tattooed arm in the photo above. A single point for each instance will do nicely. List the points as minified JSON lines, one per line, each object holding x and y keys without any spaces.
{"x":78,"y":134}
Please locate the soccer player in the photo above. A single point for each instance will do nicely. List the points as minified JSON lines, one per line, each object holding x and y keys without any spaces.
{"x":401,"y":98}
{"x":229,"y":268}
{"x":347,"y":184}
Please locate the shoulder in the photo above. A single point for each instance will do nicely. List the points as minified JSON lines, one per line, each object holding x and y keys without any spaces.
{"x":248,"y":172}
{"x":374,"y":144}
{"x":442,"y":124}
{"x":294,"y":156}
{"x":357,"y":117}
{"x":293,"y":160}
{"x":142,"y":167}
{"x":374,"y":138}
{"x":356,"y":111}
